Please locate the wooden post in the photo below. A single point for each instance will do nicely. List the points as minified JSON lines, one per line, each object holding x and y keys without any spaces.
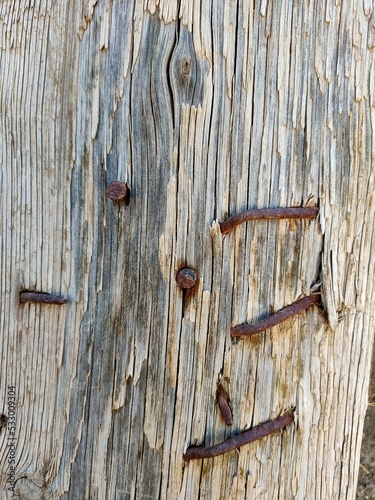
{"x":204,"y":109}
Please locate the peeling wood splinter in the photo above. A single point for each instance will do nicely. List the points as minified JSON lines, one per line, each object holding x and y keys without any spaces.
{"x":222,"y":400}
{"x":262,"y":430}
{"x":244,"y":329}
{"x":268,"y":214}
{"x":43,"y":298}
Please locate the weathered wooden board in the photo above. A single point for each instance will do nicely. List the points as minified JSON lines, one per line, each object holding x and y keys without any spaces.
{"x":205,"y":108}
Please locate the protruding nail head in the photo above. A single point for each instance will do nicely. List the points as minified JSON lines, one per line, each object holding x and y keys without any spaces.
{"x":186,"y":278}
{"x":118,"y":192}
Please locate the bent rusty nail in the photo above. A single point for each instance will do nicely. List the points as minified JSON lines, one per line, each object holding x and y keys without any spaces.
{"x":222,"y":401}
{"x":268,"y":214}
{"x":258,"y":432}
{"x":245,"y":330}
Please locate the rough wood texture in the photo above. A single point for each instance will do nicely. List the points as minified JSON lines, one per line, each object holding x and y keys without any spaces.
{"x":205,"y":108}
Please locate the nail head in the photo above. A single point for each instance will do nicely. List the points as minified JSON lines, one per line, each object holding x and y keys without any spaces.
{"x":186,"y":278}
{"x":118,"y":192}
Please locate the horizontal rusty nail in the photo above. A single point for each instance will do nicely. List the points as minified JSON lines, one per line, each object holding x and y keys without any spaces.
{"x":42,"y":298}
{"x":268,"y":214}
{"x":253,"y":434}
{"x":118,"y":192}
{"x":245,"y":330}
{"x":186,"y":278}
{"x":222,"y":400}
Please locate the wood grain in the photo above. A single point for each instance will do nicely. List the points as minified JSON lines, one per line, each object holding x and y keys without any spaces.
{"x":205,"y":109}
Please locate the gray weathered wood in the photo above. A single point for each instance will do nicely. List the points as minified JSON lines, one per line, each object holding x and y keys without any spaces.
{"x":204,"y":108}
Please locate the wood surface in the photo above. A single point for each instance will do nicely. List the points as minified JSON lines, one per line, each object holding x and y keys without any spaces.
{"x":205,"y":108}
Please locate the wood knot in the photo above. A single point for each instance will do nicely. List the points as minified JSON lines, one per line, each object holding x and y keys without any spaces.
{"x":185,"y":66}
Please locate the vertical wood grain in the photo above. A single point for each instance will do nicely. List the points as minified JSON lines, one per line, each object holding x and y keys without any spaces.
{"x":205,"y":109}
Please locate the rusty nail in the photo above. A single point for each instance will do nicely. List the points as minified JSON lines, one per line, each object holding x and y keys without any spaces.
{"x":268,"y":214}
{"x":245,"y":330}
{"x":186,"y":278}
{"x":42,"y":298}
{"x":118,"y":192}
{"x":222,"y":400}
{"x":258,"y":432}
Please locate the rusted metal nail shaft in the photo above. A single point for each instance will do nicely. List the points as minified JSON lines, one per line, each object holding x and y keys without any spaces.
{"x":268,"y":214}
{"x":42,"y":298}
{"x":222,"y":401}
{"x":118,"y":192}
{"x":258,"y":432}
{"x":245,"y":330}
